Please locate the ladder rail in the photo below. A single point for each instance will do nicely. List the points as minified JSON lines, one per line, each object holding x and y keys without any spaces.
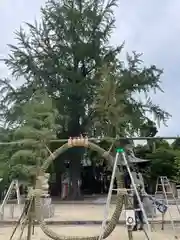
{"x":18,"y":192}
{"x":167,"y":203}
{"x":107,"y":207}
{"x":137,"y":194}
{"x":156,"y":190}
{"x":8,"y":194}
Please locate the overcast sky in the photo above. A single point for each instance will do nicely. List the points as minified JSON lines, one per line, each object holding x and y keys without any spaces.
{"x":150,"y":27}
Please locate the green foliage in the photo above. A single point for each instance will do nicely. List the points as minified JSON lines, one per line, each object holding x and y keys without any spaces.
{"x":176,"y":147}
{"x":164,"y":160}
{"x":162,"y":163}
{"x":117,"y":101}
{"x":5,"y":154}
{"x":176,"y":144}
{"x":37,"y":128}
{"x":148,"y":129}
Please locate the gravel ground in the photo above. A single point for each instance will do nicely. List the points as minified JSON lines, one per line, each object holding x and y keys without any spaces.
{"x":119,"y":233}
{"x":85,"y":212}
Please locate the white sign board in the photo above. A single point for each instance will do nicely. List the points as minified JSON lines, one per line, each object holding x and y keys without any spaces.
{"x":130,"y":218}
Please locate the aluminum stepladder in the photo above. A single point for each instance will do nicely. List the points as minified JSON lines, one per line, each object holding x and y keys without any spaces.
{"x":164,"y":188}
{"x":107,"y":206}
{"x":14,"y":184}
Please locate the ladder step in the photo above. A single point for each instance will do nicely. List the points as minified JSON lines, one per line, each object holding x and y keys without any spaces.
{"x":165,"y":185}
{"x":161,"y":192}
{"x":168,"y":202}
{"x":121,"y":189}
{"x":162,"y":199}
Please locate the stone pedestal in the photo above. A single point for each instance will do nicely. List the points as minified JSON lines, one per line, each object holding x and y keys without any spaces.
{"x":149,"y":207}
{"x":47,"y":207}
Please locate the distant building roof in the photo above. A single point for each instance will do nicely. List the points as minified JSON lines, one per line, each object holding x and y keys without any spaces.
{"x":133,"y":159}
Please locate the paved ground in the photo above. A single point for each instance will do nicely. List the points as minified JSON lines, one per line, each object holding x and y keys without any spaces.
{"x":85,"y":212}
{"x":119,"y":233}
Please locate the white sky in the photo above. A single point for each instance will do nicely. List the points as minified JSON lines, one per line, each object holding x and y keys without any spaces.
{"x":150,"y":27}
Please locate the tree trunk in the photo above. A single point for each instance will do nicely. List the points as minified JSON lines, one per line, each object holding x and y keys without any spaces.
{"x":75,"y":173}
{"x":75,"y":155}
{"x":59,"y":169}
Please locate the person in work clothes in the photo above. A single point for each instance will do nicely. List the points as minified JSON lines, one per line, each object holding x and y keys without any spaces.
{"x":138,"y":211}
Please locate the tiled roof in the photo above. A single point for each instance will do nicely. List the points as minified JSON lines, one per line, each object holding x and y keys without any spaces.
{"x":133,"y":159}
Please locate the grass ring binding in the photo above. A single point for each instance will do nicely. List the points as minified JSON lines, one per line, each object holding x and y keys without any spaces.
{"x":119,"y":202}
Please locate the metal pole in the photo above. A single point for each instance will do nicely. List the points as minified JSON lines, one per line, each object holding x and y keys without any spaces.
{"x":97,"y":139}
{"x":18,"y":192}
{"x":123,"y":138}
{"x":6,"y":196}
{"x":106,"y":212}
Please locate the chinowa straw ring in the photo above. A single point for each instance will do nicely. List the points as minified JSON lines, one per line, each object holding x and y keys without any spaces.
{"x":38,"y":191}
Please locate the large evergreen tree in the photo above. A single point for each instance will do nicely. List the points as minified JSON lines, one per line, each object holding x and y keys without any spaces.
{"x":69,"y":55}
